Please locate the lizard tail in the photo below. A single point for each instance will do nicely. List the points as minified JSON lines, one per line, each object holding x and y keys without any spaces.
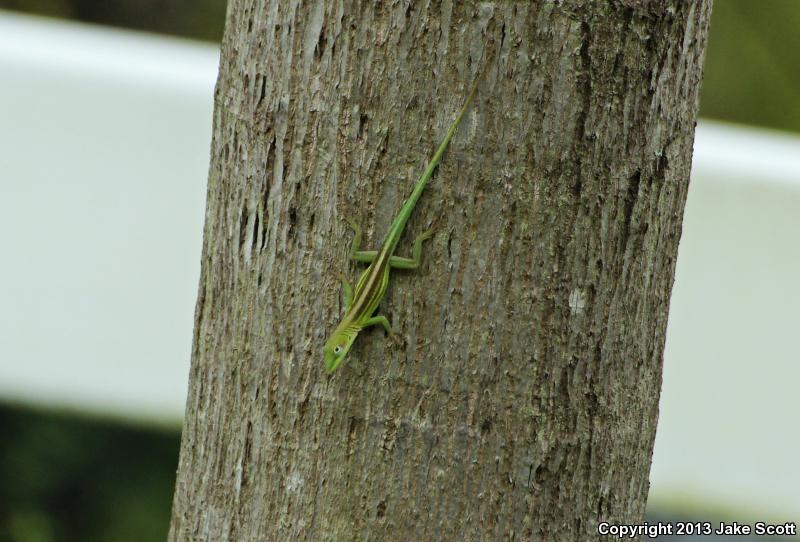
{"x":437,"y":157}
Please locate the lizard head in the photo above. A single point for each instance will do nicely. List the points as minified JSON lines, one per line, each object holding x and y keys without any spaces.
{"x":336,"y":348}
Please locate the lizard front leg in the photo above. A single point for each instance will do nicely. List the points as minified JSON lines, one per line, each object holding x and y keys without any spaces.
{"x":348,"y":292}
{"x":383,"y":321}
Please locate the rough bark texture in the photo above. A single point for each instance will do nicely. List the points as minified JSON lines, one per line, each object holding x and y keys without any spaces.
{"x":524,"y":403}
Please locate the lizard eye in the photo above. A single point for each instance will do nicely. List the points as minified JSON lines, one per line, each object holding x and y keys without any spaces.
{"x":337,"y":350}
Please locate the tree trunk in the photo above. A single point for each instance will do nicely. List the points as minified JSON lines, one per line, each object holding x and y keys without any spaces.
{"x":523,"y":404}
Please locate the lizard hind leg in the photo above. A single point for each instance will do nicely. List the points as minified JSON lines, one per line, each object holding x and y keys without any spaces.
{"x":366,"y":256}
{"x":413,"y":262}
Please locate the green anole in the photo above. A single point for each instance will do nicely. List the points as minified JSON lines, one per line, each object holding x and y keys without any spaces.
{"x":360,"y":304}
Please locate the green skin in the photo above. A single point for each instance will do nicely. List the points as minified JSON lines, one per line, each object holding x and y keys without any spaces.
{"x":360,"y":305}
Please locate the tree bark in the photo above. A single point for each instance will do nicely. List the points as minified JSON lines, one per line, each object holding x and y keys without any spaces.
{"x":523,"y":404}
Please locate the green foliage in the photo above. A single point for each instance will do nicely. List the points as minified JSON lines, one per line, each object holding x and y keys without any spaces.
{"x":752,"y":73}
{"x":198,"y":19}
{"x":72,"y":479}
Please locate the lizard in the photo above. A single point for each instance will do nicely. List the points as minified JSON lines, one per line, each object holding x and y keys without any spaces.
{"x":361,"y":303}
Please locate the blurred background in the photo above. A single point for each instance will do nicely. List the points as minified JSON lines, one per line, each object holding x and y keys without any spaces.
{"x":105,"y":123}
